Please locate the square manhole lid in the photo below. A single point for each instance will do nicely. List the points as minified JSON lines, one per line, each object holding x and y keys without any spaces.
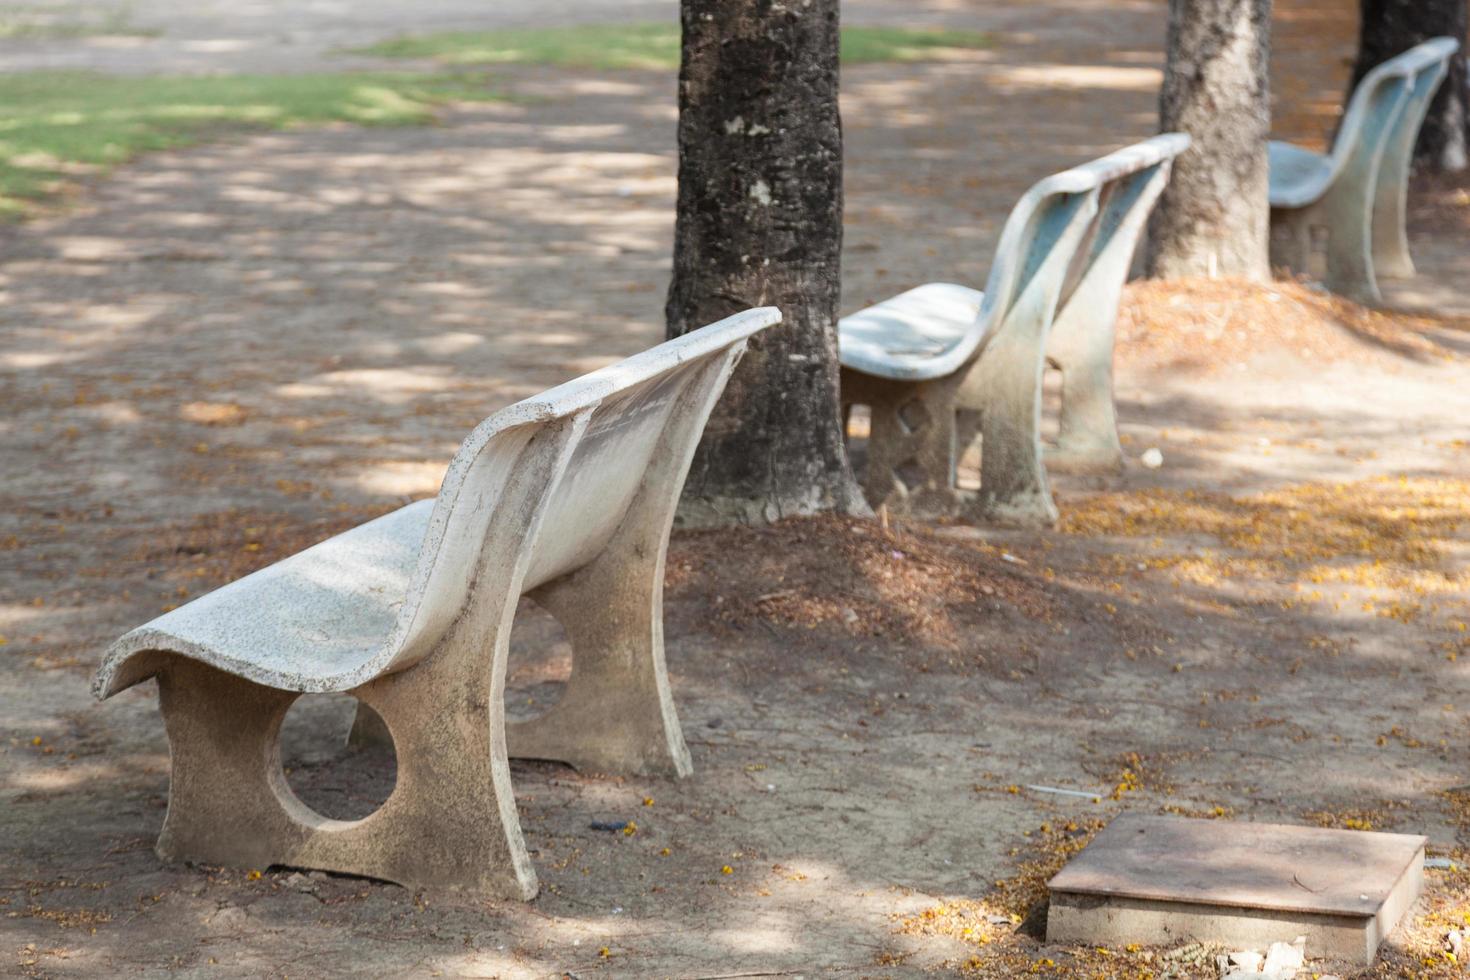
{"x":1241,"y":865}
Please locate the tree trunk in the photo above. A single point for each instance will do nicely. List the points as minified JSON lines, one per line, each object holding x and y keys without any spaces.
{"x":1214,"y":217}
{"x":760,"y":224}
{"x":1391,"y":27}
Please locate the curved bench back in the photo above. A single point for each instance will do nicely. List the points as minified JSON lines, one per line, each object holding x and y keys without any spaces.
{"x":1391,"y":100}
{"x":1071,"y":224}
{"x":1430,"y":63}
{"x":552,"y":478}
{"x":1138,"y":175}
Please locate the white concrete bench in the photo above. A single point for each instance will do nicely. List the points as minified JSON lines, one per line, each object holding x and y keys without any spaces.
{"x":1357,"y":192}
{"x":568,"y":497}
{"x":941,"y":362}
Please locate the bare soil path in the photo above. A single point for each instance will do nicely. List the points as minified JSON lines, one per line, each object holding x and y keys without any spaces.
{"x":275,"y":36}
{"x":215,"y":357}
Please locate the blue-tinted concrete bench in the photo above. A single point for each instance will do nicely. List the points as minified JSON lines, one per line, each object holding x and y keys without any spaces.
{"x":568,"y":497}
{"x":1357,"y":192}
{"x":939,"y":363}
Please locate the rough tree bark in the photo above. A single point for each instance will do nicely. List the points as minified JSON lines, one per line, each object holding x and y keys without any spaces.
{"x":1214,"y":218}
{"x":1391,"y":27}
{"x":760,"y":224}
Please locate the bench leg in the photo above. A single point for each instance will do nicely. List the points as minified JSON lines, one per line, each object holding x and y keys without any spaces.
{"x":368,"y":729}
{"x":223,"y":805}
{"x":1349,"y":220}
{"x":1081,"y":347}
{"x":1004,"y":387}
{"x":449,"y":823}
{"x":1391,"y":257}
{"x":912,"y":444}
{"x":1087,"y":440}
{"x":617,"y":712}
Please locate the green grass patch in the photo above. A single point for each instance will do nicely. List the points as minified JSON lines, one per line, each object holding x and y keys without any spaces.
{"x":650,"y":46}
{"x":872,"y":45}
{"x":53,"y":124}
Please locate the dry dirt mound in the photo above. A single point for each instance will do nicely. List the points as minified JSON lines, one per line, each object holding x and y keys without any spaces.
{"x":853,"y":578}
{"x":1207,"y":325}
{"x":899,"y":600}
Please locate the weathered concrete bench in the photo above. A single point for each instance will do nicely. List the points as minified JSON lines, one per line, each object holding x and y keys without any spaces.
{"x":1357,"y":192}
{"x":568,"y":497}
{"x":939,"y":363}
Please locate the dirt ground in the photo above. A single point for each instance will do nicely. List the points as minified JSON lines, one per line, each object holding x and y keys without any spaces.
{"x":215,"y":357}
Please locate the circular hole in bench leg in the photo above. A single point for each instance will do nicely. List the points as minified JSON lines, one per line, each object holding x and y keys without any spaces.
{"x":540,"y":663}
{"x":332,"y":780}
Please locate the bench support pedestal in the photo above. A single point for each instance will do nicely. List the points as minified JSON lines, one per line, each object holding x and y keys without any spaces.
{"x":449,"y":823}
{"x":1001,"y":397}
{"x":1351,"y":261}
{"x":912,"y":442}
{"x":617,"y":712}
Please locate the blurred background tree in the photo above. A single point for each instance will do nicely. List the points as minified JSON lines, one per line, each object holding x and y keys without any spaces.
{"x":1214,"y":217}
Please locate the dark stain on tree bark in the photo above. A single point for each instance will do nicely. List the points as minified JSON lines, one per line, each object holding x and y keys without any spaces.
{"x":760,"y":224}
{"x":1391,"y":27}
{"x":1214,"y":218}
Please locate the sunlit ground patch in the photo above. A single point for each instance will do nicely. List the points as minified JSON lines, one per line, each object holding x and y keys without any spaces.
{"x":1385,"y":533}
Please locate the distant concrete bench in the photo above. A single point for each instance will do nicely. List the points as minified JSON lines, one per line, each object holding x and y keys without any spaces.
{"x":939,"y":363}
{"x":1357,"y":193}
{"x":568,"y":497}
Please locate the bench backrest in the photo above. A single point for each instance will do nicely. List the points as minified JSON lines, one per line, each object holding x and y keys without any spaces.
{"x":558,"y":473}
{"x":1067,"y":225}
{"x":1138,"y":175}
{"x":1393,"y":95}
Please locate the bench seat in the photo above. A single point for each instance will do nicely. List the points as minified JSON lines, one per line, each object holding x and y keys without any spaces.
{"x":915,"y":336}
{"x":1298,"y":176}
{"x":325,"y":616}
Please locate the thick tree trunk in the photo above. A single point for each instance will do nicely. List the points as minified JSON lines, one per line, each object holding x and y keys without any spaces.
{"x":760,"y":224}
{"x":1391,"y":27}
{"x":1214,"y":218}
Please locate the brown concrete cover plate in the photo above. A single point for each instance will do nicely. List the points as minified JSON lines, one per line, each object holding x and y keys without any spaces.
{"x":1245,"y":865}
